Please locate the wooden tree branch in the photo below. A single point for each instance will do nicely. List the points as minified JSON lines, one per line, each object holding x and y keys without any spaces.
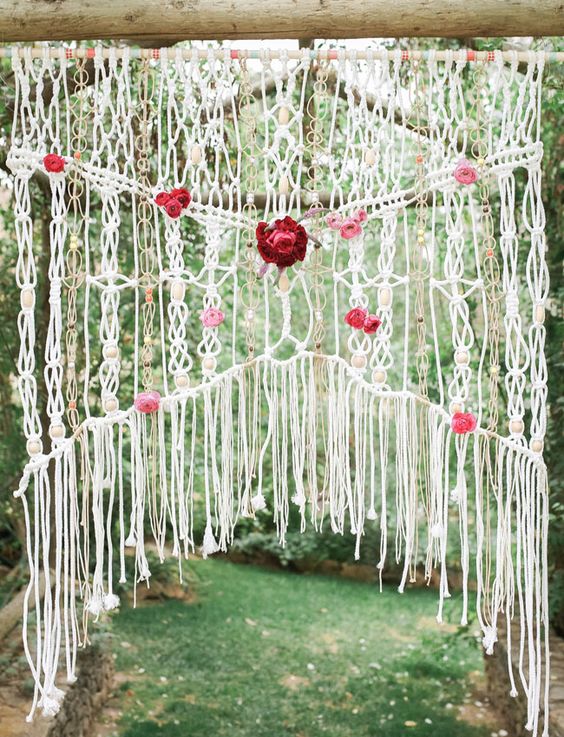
{"x":37,"y":20}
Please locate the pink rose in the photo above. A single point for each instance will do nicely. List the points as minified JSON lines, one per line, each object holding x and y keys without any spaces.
{"x":371,"y":324}
{"x":334,"y":220}
{"x":356,"y":317}
{"x":465,"y":173}
{"x":54,"y":163}
{"x":463,"y":422}
{"x":283,"y":243}
{"x":361,"y":216}
{"x":211,"y":317}
{"x":162,"y":198}
{"x":173,"y":208}
{"x":350,"y":229}
{"x":147,"y":402}
{"x":183,"y":196}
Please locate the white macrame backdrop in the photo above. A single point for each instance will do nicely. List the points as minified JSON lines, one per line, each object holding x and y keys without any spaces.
{"x":367,"y":428}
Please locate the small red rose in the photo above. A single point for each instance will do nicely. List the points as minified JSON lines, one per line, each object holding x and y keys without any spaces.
{"x":173,"y":208}
{"x":371,"y":324}
{"x":54,"y":163}
{"x":356,"y":317}
{"x":162,"y":198}
{"x":183,"y":196}
{"x":463,"y":422}
{"x":283,"y":243}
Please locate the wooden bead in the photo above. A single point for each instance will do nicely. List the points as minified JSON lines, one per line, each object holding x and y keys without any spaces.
{"x":516,"y":426}
{"x":370,"y":157}
{"x":536,"y":445}
{"x":539,"y":314}
{"x":110,"y":351}
{"x":34,"y":446}
{"x":358,"y":361}
{"x":196,"y":154}
{"x":283,"y":282}
{"x":379,"y":376}
{"x":177,"y":290}
{"x":209,"y":363}
{"x":385,"y":297}
{"x":284,"y":185}
{"x":181,"y":381}
{"x":111,"y":404}
{"x":283,"y":115}
{"x":27,"y":299}
{"x":456,"y":407}
{"x":57,"y":432}
{"x":461,"y":358}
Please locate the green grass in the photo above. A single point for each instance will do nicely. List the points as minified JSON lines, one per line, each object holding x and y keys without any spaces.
{"x":273,"y":654}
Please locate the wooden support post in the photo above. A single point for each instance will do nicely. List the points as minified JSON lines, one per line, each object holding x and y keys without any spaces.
{"x":166,"y":20}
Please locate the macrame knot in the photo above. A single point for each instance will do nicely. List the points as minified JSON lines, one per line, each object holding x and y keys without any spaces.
{"x":512,"y":304}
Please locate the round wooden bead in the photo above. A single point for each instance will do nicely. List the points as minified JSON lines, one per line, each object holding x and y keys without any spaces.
{"x":379,"y":376}
{"x":539,"y":314}
{"x":385,"y":297}
{"x":283,"y":283}
{"x":27,"y":299}
{"x":209,"y":363}
{"x":283,"y":115}
{"x":370,"y":157}
{"x":284,"y":185}
{"x":177,"y":290}
{"x":516,"y":426}
{"x":461,"y":358}
{"x":57,"y":431}
{"x":111,"y":404}
{"x":536,"y":445}
{"x":196,"y":154}
{"x":358,"y":361}
{"x":181,"y":381}
{"x":110,"y":351}
{"x":34,"y":446}
{"x":456,"y":407}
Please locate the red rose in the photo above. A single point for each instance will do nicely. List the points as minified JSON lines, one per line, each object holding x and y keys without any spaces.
{"x":283,"y":244}
{"x":162,"y":198}
{"x":356,"y":317}
{"x":183,"y":196}
{"x":173,"y":208}
{"x":54,"y":163}
{"x":371,"y":324}
{"x":463,"y":422}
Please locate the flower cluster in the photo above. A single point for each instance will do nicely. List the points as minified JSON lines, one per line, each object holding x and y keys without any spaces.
{"x":349,"y":227}
{"x":174,"y":202}
{"x":283,"y":242}
{"x":465,"y":173}
{"x":359,"y":319}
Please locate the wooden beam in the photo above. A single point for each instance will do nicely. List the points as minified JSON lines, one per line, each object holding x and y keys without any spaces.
{"x":162,"y":20}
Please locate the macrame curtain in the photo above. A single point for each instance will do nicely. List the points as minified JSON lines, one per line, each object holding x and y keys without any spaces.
{"x":372,"y":354}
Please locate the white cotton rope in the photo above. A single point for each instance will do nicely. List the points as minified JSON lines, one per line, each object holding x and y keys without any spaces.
{"x":270,"y":402}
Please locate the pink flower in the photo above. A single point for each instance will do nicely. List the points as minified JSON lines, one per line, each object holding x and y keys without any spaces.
{"x":350,"y":229}
{"x":211,"y":317}
{"x":361,"y":216}
{"x":183,"y":196}
{"x":147,"y":402}
{"x":54,"y":163}
{"x":465,"y":173}
{"x":173,"y":208}
{"x":463,"y":422}
{"x":334,"y":220}
{"x":282,"y":244}
{"x":371,"y":324}
{"x":162,"y":198}
{"x":356,"y":317}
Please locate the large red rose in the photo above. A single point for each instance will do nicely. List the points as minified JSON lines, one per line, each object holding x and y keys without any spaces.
{"x":282,"y":244}
{"x":182,"y":195}
{"x":463,"y":422}
{"x":356,"y":317}
{"x":54,"y":163}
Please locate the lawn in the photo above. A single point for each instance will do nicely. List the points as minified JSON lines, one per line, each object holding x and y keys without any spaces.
{"x":271,"y":654}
